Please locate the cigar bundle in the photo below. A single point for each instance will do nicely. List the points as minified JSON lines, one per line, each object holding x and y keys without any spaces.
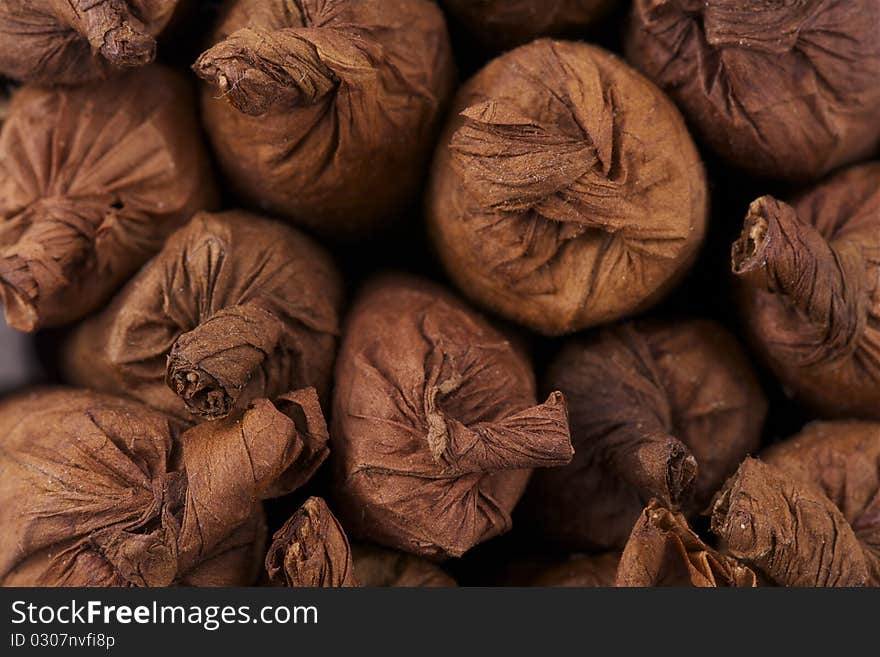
{"x":417,"y":293}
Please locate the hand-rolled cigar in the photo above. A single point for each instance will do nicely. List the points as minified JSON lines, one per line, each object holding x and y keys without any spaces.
{"x":664,"y":409}
{"x":664,"y":551}
{"x":324,"y":111}
{"x":810,"y":291}
{"x":784,"y":90}
{"x":502,"y":24}
{"x":435,"y":423}
{"x":808,"y":513}
{"x":101,"y":491}
{"x":92,"y":180}
{"x":76,"y":41}
{"x":566,"y":191}
{"x":312,"y":550}
{"x":234,"y":307}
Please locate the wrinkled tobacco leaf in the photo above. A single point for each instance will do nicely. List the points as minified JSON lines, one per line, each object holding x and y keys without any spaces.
{"x":435,"y":423}
{"x":566,"y":191}
{"x":664,"y":409}
{"x":501,"y":24}
{"x":810,"y":289}
{"x":663,"y":550}
{"x":324,"y":111}
{"x":782,"y":89}
{"x":808,"y":513}
{"x":234,"y":307}
{"x":92,"y":180}
{"x":76,"y":41}
{"x":311,"y":550}
{"x":100,"y":491}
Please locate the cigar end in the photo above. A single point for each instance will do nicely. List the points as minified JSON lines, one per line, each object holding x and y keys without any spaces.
{"x":200,"y":391}
{"x":749,"y":250}
{"x":565,"y":450}
{"x":311,"y":549}
{"x":680,"y":474}
{"x":248,"y":70}
{"x":246,"y":90}
{"x":664,"y":469}
{"x":731,"y":518}
{"x":18,"y":294}
{"x":125,"y":46}
{"x":719,"y":510}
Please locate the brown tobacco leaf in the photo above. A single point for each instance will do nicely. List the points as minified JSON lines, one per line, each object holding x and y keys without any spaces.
{"x":809,"y":513}
{"x":379,"y":567}
{"x":664,"y":551}
{"x":92,"y":181}
{"x":502,"y":24}
{"x":781,"y":89}
{"x":101,"y":491}
{"x":435,"y":427}
{"x":657,"y":409}
{"x":311,"y":549}
{"x":810,"y":290}
{"x":566,"y":191}
{"x":234,"y":307}
{"x":76,"y":41}
{"x":324,"y":111}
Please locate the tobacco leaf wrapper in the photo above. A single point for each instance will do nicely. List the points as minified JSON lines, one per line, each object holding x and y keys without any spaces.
{"x":809,"y":276}
{"x":435,"y":422}
{"x":311,"y":549}
{"x":324,"y":111}
{"x":658,"y":409}
{"x":102,"y":491}
{"x":566,"y":191}
{"x":76,"y":41}
{"x":664,"y":551}
{"x":502,"y":24}
{"x":234,"y":307}
{"x":808,"y":513}
{"x":782,"y":89}
{"x":92,"y":181}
